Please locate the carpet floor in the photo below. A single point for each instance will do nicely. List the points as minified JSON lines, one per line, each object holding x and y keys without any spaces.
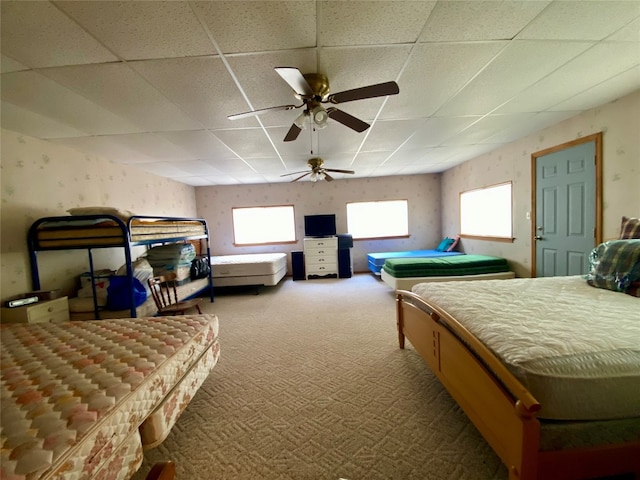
{"x":311,"y":385}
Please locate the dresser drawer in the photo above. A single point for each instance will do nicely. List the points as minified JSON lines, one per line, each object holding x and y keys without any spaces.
{"x":330,"y":243}
{"x":314,"y":254}
{"x":321,"y":257}
{"x":320,"y":269}
{"x":51,"y":311}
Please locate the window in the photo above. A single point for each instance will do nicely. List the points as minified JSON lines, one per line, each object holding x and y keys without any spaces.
{"x":389,"y":218}
{"x":259,"y":225}
{"x":486,"y":212}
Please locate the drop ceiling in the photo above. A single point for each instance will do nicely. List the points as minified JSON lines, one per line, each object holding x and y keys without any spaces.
{"x":151,"y":84}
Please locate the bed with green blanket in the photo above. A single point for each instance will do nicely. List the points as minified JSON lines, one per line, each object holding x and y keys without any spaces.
{"x":403,"y":273}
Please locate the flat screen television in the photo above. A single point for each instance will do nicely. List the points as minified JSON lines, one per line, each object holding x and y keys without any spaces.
{"x":319,"y":225}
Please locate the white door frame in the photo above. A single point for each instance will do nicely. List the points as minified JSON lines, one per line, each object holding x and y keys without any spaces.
{"x":597,"y":138}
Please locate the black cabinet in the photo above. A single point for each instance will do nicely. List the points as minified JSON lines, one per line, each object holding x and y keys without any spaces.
{"x":297,"y":265}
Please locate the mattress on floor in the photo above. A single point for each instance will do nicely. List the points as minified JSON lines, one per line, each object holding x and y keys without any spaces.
{"x":445,"y":266}
{"x":376,"y":260}
{"x":75,"y":394}
{"x":575,"y":347}
{"x":247,"y":265}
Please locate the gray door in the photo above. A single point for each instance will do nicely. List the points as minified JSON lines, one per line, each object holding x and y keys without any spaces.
{"x":565,"y":218}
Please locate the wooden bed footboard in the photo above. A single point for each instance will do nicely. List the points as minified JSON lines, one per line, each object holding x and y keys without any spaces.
{"x":500,"y":407}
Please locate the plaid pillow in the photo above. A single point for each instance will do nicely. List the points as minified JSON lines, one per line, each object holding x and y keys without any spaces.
{"x":615,"y":265}
{"x":630,"y":228}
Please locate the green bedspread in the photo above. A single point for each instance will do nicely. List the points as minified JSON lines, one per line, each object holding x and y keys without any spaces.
{"x":445,"y":266}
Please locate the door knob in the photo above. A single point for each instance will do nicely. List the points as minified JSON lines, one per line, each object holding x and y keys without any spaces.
{"x":537,"y":237}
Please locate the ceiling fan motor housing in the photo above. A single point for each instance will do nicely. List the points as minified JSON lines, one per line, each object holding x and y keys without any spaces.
{"x":319,"y":84}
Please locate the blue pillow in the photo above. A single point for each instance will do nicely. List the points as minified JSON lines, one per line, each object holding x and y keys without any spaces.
{"x":445,"y":244}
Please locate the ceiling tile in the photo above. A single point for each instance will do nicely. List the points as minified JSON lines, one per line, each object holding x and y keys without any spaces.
{"x":435,"y":74}
{"x":119,"y":89}
{"x":57,"y":102}
{"x":8,"y":64}
{"x":260,"y":26}
{"x":479,"y":20}
{"x":200,"y":144}
{"x":523,"y":63}
{"x":198,"y":181}
{"x":419,"y":156}
{"x":249,"y":142}
{"x":162,"y":169}
{"x":267,"y":165}
{"x":436,"y":130}
{"x":141,"y":30}
{"x":338,"y":139}
{"x":371,"y":22}
{"x":200,"y":86}
{"x":578,"y":75}
{"x":153,"y":146}
{"x":105,"y":147}
{"x":607,"y":91}
{"x":573,"y":20}
{"x":34,"y":124}
{"x":629,"y":33}
{"x":197,"y":168}
{"x":513,"y":127}
{"x":389,"y":132}
{"x":40,"y":35}
{"x":230,"y":166}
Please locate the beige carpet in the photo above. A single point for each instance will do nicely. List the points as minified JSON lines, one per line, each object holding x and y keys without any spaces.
{"x":311,"y":384}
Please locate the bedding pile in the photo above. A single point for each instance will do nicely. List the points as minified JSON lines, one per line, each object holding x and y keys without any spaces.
{"x":173,"y":258}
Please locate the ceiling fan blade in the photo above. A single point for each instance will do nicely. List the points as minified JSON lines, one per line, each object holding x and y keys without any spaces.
{"x":254,"y":113}
{"x":294,"y":173}
{"x":347,"y":119}
{"x":293,"y":133}
{"x":296,"y":80}
{"x":327,"y":177}
{"x":371,"y":91}
{"x":337,"y":170}
{"x":301,"y":176}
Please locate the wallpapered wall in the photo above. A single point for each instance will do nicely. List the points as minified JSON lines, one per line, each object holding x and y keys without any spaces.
{"x":620,"y":123}
{"x":422,"y":192}
{"x":41,"y":179}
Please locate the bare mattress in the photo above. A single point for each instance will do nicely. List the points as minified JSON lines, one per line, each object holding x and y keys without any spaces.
{"x":82,"y":231}
{"x":82,"y":399}
{"x":576,"y":348}
{"x":248,"y":269}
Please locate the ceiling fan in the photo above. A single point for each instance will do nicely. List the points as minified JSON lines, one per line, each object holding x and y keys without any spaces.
{"x":317,"y":172}
{"x":313,"y":90}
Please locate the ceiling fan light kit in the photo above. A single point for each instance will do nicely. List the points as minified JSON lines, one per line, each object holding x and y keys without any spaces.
{"x":313,"y":89}
{"x":319,"y":116}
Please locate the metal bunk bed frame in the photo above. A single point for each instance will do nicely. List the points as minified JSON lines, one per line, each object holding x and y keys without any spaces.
{"x":34,"y":247}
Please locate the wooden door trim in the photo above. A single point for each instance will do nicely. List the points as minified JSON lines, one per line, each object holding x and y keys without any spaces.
{"x":597,"y":138}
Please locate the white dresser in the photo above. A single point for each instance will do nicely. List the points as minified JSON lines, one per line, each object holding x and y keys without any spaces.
{"x":321,"y":257}
{"x":48,"y":311}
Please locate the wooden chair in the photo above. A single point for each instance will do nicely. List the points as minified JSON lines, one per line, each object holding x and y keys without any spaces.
{"x":163,"y":289}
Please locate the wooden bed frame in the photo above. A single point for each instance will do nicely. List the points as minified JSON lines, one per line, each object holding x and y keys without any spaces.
{"x":497,"y":403}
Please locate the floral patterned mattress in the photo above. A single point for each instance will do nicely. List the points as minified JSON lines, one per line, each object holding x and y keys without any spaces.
{"x":81,"y":399}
